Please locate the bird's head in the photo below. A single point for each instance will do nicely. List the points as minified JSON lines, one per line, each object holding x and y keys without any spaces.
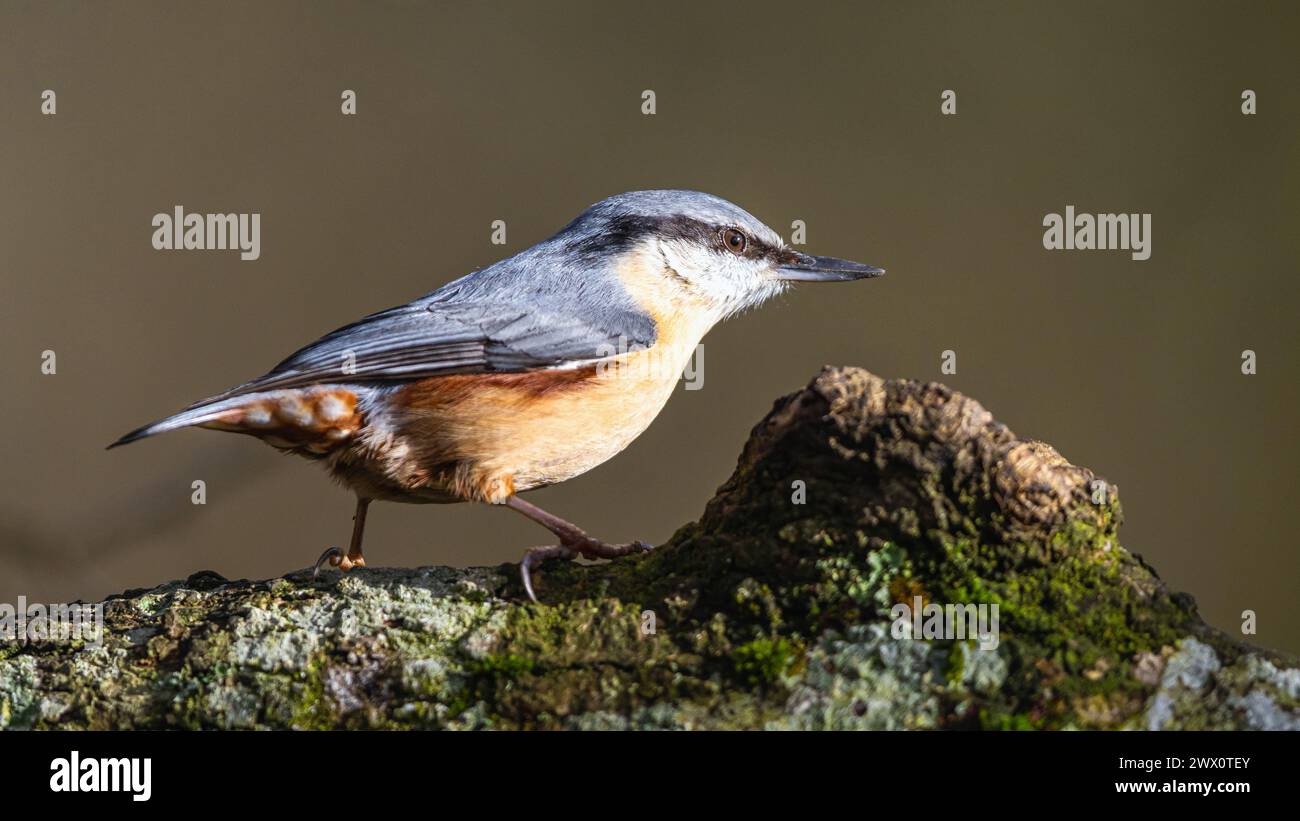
{"x":698,"y":250}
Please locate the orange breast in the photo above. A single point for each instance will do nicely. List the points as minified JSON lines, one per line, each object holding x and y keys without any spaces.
{"x":487,"y":436}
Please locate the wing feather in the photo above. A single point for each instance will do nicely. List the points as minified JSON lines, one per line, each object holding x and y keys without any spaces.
{"x":424,"y":339}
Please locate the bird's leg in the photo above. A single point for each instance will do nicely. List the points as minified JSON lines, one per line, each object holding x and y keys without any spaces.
{"x":574,"y":541}
{"x":354,"y":558}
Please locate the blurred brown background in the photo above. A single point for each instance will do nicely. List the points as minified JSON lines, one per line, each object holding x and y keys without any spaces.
{"x":474,"y":112}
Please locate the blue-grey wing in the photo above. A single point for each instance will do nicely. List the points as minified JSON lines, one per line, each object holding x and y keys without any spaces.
{"x":435,"y":338}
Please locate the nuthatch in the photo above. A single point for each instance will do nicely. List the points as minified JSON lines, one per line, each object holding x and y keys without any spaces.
{"x":522,"y":374}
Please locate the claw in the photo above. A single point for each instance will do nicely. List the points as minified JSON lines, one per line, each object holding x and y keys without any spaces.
{"x":534,"y":557}
{"x":333,"y":556}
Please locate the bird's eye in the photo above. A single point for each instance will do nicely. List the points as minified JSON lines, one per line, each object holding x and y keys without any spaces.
{"x":735,"y":241}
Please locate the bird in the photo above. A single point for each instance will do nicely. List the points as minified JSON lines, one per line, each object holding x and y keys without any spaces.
{"x":522,"y":374}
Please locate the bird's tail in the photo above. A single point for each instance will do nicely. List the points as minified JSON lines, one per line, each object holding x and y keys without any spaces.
{"x":314,"y":418}
{"x":201,"y":413}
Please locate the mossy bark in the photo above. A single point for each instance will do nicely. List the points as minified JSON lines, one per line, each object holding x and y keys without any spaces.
{"x":772,"y":611}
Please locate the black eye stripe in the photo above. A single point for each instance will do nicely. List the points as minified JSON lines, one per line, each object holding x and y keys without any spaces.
{"x":624,"y":231}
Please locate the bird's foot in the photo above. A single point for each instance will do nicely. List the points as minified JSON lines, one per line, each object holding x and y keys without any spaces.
{"x":583,"y":545}
{"x":335,"y":557}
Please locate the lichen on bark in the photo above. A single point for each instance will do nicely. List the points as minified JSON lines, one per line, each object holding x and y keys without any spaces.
{"x":766,"y":613}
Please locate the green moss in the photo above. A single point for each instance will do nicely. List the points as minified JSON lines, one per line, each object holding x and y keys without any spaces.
{"x":309,"y":709}
{"x":766,"y":662}
{"x":505,"y":665}
{"x":1003,"y":721}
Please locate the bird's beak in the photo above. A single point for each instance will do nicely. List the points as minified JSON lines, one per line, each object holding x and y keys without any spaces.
{"x":808,"y":268}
